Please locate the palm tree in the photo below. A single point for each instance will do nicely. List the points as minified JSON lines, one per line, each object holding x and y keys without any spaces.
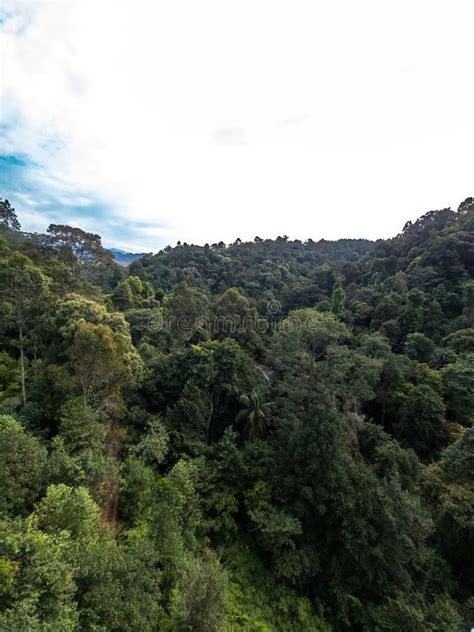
{"x":254,"y":416}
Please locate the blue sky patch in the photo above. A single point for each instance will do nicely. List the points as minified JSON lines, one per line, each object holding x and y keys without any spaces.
{"x":37,"y":208}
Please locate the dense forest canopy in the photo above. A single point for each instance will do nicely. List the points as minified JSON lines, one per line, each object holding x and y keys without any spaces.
{"x":263,"y":436}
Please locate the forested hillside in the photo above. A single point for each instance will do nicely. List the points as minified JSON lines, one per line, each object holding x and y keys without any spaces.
{"x":266,"y":436}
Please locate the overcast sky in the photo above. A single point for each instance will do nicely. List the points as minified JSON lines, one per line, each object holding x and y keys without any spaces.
{"x":152,"y":122}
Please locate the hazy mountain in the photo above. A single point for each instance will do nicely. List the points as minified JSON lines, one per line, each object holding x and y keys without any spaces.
{"x":125,"y":258}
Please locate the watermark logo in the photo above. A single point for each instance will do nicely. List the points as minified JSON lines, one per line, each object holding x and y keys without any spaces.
{"x":273,"y":307}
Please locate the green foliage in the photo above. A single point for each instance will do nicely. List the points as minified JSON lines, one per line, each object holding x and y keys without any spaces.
{"x":87,"y":468}
{"x":9,"y":384}
{"x":199,"y":599}
{"x":276,"y":527}
{"x":420,"y":348}
{"x":21,"y":285}
{"x":458,"y":387}
{"x":235,"y":317}
{"x":254,"y":416}
{"x":101,"y":358}
{"x":414,"y":613}
{"x":82,"y":253}
{"x":22,"y":467}
{"x":67,"y":509}
{"x":198,"y":388}
{"x":338,"y":301}
{"x":132,"y":293}
{"x":409,"y":400}
{"x":257,"y":602}
{"x":37,"y":582}
{"x":74,"y":308}
{"x":229,"y":437}
{"x":153,"y":446}
{"x":449,"y":487}
{"x":79,"y":427}
{"x":186,"y":314}
{"x":418,"y":422}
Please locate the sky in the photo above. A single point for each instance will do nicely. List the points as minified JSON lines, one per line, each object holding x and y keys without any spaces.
{"x":152,"y":122}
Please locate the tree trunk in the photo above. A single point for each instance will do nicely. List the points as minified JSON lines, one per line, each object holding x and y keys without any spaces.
{"x":22,"y":366}
{"x":209,"y":418}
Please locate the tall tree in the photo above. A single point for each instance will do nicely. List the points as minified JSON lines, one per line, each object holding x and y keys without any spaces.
{"x":22,"y":286}
{"x":8,"y":215}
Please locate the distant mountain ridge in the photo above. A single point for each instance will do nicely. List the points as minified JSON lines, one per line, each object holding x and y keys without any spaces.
{"x":124,"y":258}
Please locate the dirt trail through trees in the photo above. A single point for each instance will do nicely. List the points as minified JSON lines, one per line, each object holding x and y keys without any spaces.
{"x":112,"y":486}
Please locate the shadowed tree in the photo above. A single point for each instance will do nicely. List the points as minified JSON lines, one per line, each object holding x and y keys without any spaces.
{"x":254,"y":416}
{"x":84,"y":246}
{"x":8,"y":215}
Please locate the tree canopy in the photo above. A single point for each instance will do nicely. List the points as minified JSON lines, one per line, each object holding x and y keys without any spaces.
{"x":272,"y":435}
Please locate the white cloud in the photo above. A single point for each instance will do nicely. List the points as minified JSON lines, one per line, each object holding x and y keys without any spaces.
{"x":212,"y":121}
